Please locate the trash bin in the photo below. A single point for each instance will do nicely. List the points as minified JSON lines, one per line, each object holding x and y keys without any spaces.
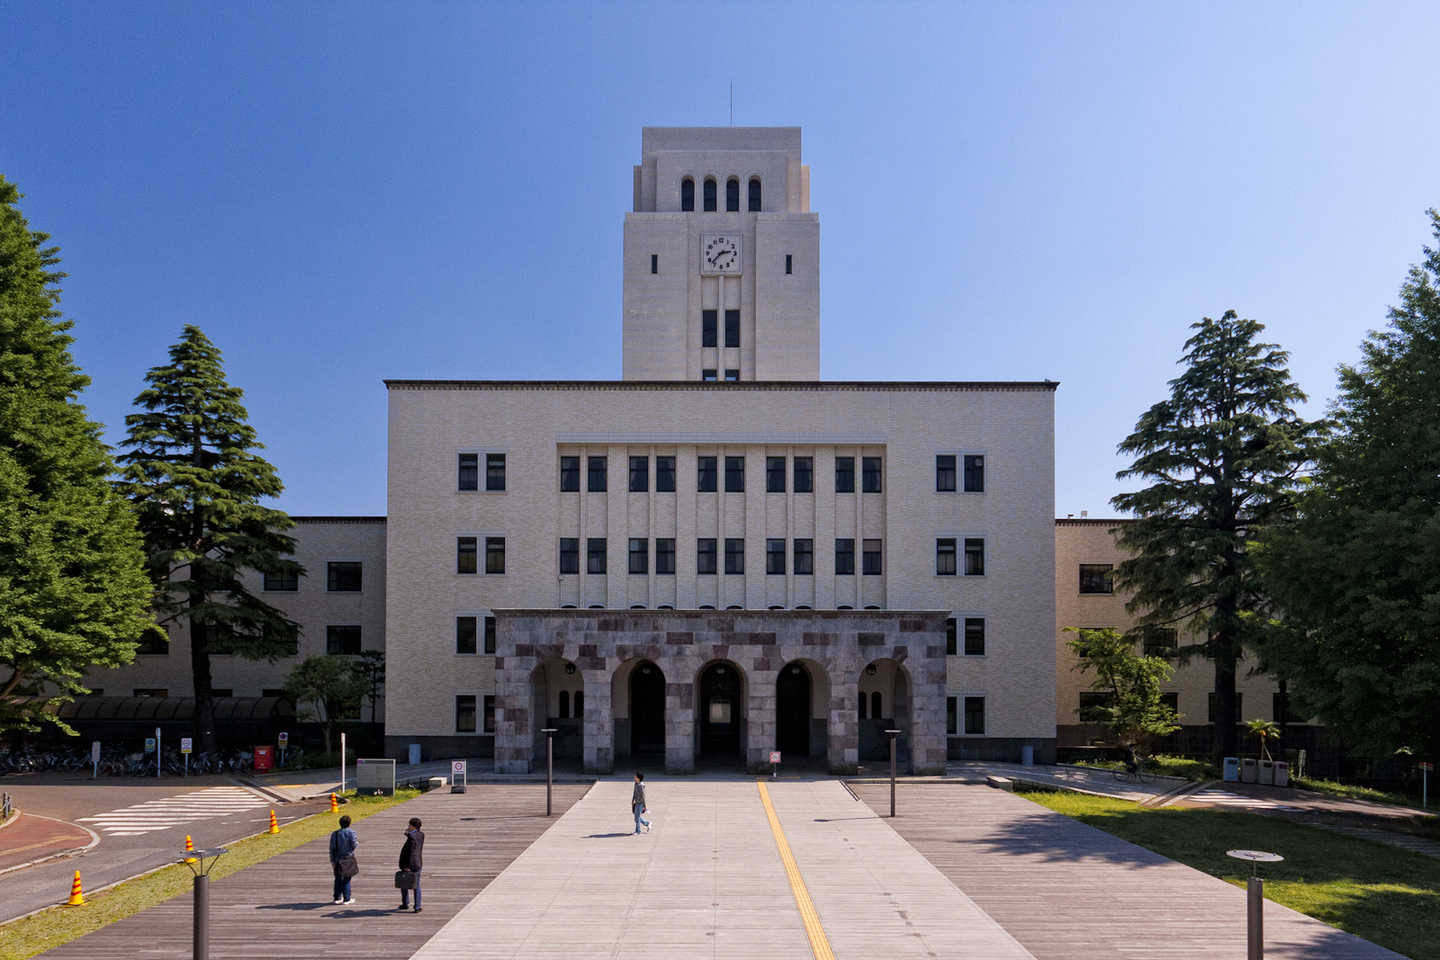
{"x":1027,"y":756}
{"x":1247,"y":770}
{"x":414,"y":753}
{"x":1267,"y":772}
{"x":1282,"y":773}
{"x":1232,"y":769}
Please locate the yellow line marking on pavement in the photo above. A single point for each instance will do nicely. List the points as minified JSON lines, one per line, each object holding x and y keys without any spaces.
{"x":819,"y":943}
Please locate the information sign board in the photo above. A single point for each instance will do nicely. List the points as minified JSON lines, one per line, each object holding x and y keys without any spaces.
{"x":187,"y":744}
{"x":149,"y":744}
{"x":774,"y":756}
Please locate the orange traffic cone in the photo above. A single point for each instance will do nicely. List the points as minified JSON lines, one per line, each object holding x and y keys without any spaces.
{"x":274,"y":825}
{"x":77,"y":899}
{"x":334,"y":804}
{"x":189,"y":848}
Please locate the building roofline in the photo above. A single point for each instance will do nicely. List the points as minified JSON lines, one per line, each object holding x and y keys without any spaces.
{"x":692,"y":613}
{"x":1091,"y":521}
{"x":338,"y":519}
{"x":796,"y":386}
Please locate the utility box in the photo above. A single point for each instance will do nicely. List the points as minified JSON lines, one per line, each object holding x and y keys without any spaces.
{"x":1282,"y":773}
{"x":375,"y":778}
{"x":1247,"y":770}
{"x":414,"y":753}
{"x":1267,"y":773}
{"x":1232,"y":770}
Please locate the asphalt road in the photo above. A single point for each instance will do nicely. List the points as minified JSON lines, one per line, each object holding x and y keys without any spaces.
{"x":142,"y":825}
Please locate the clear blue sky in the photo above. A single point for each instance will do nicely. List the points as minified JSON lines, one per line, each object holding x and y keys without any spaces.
{"x":341,"y":193}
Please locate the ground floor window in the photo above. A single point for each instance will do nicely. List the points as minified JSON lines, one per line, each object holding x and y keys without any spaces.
{"x":974,"y":715}
{"x":465,"y":714}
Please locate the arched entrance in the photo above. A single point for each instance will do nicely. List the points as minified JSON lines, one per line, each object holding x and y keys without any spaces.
{"x":884,"y":704}
{"x":647,"y":710}
{"x":721,"y":710}
{"x":792,"y":711}
{"x":557,"y":697}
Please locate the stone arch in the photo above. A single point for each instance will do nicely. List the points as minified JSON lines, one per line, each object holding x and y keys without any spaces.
{"x":888,"y":681}
{"x":721,"y":715}
{"x":802,"y":713}
{"x":548,"y":681}
{"x":637,"y":697}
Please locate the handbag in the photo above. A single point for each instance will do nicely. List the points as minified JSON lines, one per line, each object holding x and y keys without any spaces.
{"x":347,"y":866}
{"x":405,"y":880}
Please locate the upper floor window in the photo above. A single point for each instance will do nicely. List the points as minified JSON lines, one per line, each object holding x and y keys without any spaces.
{"x":975,"y":715}
{"x":732,"y":328}
{"x":804,"y":558}
{"x":469,"y":472}
{"x":283,"y":582}
{"x":343,"y":640}
{"x":754,"y":194}
{"x":732,"y":195}
{"x":708,"y":376}
{"x":944,"y":472}
{"x":466,"y":555}
{"x":569,"y":474}
{"x":706,"y":480}
{"x":654,"y":263}
{"x":494,"y":554}
{"x":774,"y":474}
{"x":494,"y":471}
{"x":734,"y":555}
{"x":974,"y":557}
{"x":664,"y":474}
{"x":945,"y":557}
{"x":687,"y":195}
{"x":709,"y":331}
{"x":775,"y":557}
{"x":732,"y":376}
{"x":595,"y":555}
{"x":789,"y":262}
{"x":734,"y":474}
{"x":804,"y":474}
{"x":665,"y":555}
{"x":569,"y":555}
{"x":844,"y":557}
{"x":639,"y":474}
{"x":342,"y":576}
{"x":639,"y":555}
{"x":710,"y":195}
{"x":974,"y":473}
{"x":870,"y":474}
{"x":870,"y":558}
{"x":1095,"y":578}
{"x":467,"y":635}
{"x":595,"y":482}
{"x":1161,"y":642}
{"x":705,"y":556}
{"x":974,"y":636}
{"x":844,"y":474}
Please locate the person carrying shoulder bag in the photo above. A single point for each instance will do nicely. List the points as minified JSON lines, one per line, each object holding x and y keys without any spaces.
{"x":411,"y":860}
{"x":343,"y":843}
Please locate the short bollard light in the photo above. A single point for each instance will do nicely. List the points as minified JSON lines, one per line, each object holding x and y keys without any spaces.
{"x":1255,"y":900}
{"x":196,"y":861}
{"x":549,"y":764}
{"x":893,"y":735}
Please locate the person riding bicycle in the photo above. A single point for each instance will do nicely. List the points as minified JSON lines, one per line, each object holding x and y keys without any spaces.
{"x":1127,"y":757}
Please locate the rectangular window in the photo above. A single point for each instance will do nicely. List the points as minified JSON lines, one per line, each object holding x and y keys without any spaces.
{"x":655,"y":260}
{"x":709,"y":196}
{"x":286,"y":582}
{"x":465,"y":714}
{"x":804,"y":558}
{"x":343,"y":640}
{"x":467,"y":635}
{"x":789,"y":263}
{"x":494,"y":471}
{"x":975,"y":715}
{"x":1161,"y":642}
{"x":734,"y":556}
{"x":705,"y":555}
{"x":951,"y":637}
{"x":466,"y":555}
{"x":155,"y":644}
{"x":569,"y":555}
{"x":974,"y":474}
{"x":974,"y":636}
{"x":665,"y":556}
{"x":706,"y":479}
{"x":152,"y":692}
{"x":489,"y":701}
{"x":945,"y":557}
{"x":489,"y":635}
{"x":974,"y":557}
{"x":804,"y":474}
{"x":1279,"y":706}
{"x":1210,"y":707}
{"x":732,"y":376}
{"x":342,"y":576}
{"x":870,"y":558}
{"x":844,"y":474}
{"x":639,"y":474}
{"x":664,"y":474}
{"x":1095,"y":578}
{"x":639,"y":555}
{"x":469,"y":478}
{"x":1171,"y":700}
{"x":952,"y":711}
{"x":595,"y":482}
{"x":775,"y":557}
{"x":569,"y":474}
{"x":844,"y":557}
{"x":595,"y":555}
{"x":870,"y":474}
{"x":944,"y":472}
{"x":774,"y":474}
{"x":732,"y":328}
{"x":1089,"y":703}
{"x":734,"y":474}
{"x":494,"y":554}
{"x":708,"y":376}
{"x":709,"y":336}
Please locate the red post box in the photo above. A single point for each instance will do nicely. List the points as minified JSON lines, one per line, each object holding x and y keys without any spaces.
{"x":264,"y":759}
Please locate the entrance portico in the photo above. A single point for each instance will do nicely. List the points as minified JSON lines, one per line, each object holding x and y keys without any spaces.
{"x":725,"y":675}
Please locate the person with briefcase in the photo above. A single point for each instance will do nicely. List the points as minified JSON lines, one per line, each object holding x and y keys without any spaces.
{"x":407,"y":878}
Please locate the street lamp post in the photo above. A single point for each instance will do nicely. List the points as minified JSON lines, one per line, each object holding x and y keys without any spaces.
{"x":195,"y":860}
{"x":893,"y":734}
{"x":1255,"y":900}
{"x":549,"y":765}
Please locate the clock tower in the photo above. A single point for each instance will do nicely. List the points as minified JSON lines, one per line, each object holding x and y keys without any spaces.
{"x":722,"y":258}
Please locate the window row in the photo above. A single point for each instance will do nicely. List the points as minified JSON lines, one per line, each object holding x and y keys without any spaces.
{"x":707,"y":556}
{"x":341,"y":576}
{"x":708,"y":474}
{"x":973,"y":717}
{"x":1154,"y":641}
{"x":709,"y":332}
{"x":467,"y":554}
{"x":710,"y":195}
{"x":469,"y":478}
{"x":945,"y":556}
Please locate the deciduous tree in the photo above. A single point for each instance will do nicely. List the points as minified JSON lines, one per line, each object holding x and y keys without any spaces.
{"x":326,"y":689}
{"x":1133,"y":708}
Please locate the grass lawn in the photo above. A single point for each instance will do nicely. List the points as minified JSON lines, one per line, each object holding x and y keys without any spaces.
{"x":1165,"y":766}
{"x":44,"y":931}
{"x":1353,"y":791}
{"x":1388,"y":896}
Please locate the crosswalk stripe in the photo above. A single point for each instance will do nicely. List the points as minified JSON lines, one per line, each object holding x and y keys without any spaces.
{"x":167,"y":812}
{"x":1226,"y":798}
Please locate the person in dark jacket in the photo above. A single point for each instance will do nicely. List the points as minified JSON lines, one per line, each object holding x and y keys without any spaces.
{"x":342,"y":847}
{"x":411,"y":860}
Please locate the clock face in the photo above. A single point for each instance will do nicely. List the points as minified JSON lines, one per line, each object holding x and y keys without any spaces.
{"x":719,"y":254}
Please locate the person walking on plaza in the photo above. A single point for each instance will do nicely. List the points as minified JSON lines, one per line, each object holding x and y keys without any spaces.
{"x":637,"y":803}
{"x":342,"y":860}
{"x":410,"y":862}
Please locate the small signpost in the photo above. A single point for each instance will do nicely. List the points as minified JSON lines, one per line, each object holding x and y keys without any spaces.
{"x":157,"y":753}
{"x":549,"y":765}
{"x":774,"y":764}
{"x":187,"y":744}
{"x":458,"y":776}
{"x":1425,"y":767}
{"x":284,"y":741}
{"x":95,"y":758}
{"x":893,"y":735}
{"x":342,"y":764}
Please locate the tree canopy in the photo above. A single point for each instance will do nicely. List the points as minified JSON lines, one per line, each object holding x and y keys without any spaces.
{"x":1133,"y":708}
{"x":1358,"y":574}
{"x":73,"y":591}
{"x":197,"y":484}
{"x":1222,"y":455}
{"x":328,"y":688}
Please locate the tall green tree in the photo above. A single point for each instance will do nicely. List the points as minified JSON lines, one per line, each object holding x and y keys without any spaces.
{"x":1222,"y":455}
{"x":1358,"y":574}
{"x":1133,"y":709}
{"x":326,"y":689}
{"x":73,"y":591}
{"x":196,"y":482}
